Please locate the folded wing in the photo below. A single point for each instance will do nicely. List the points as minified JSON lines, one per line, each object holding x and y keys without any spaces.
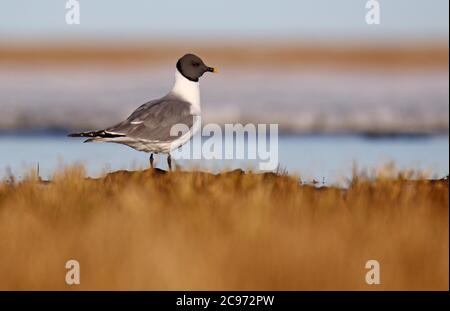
{"x":154,"y":120}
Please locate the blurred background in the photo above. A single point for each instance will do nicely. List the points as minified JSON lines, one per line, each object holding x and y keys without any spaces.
{"x":342,"y":91}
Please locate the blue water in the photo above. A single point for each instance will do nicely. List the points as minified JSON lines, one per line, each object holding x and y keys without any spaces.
{"x":328,"y":158}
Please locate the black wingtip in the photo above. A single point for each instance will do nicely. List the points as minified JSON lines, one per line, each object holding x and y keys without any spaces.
{"x":96,"y":134}
{"x":75,"y":135}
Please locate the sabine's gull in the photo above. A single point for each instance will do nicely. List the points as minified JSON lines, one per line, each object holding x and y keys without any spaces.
{"x":148,"y":127}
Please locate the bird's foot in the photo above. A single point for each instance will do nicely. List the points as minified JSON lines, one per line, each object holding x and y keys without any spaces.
{"x":169,"y":163}
{"x":151,"y":161}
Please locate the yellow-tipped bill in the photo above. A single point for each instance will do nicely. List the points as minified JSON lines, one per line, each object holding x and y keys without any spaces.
{"x":213,"y":69}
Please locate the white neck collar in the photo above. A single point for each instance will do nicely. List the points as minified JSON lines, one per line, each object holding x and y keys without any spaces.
{"x":187,"y":90}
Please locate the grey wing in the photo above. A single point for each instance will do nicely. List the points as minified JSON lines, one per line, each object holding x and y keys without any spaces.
{"x":154,"y":120}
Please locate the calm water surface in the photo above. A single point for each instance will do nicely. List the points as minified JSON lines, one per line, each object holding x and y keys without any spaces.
{"x":328,"y":158}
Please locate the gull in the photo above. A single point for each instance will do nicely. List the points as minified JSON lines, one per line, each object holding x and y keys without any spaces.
{"x":148,"y":128}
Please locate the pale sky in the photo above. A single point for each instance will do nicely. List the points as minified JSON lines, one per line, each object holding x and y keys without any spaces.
{"x":321,"y":19}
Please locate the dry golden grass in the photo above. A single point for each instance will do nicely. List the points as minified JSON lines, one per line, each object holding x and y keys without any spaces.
{"x":234,"y":231}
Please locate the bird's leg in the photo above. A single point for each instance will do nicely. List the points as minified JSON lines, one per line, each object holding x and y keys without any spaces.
{"x":169,"y":162}
{"x":151,"y":160}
